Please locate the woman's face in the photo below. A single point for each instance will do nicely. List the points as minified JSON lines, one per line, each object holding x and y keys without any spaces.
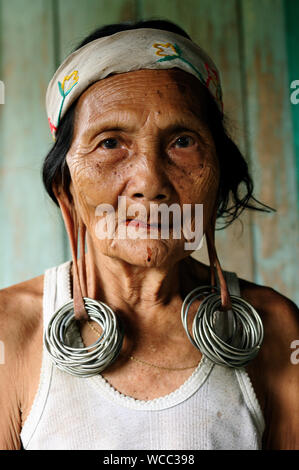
{"x":142,"y":135}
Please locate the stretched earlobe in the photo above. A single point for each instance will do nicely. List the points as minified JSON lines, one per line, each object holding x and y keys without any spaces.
{"x":82,"y":272}
{"x":74,"y":227}
{"x":214,"y":263}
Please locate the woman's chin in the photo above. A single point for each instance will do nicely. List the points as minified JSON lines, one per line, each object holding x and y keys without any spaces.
{"x":147,"y":252}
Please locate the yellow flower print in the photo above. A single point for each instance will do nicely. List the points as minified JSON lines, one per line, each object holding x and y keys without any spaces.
{"x":72,"y":83}
{"x":66,"y":87}
{"x":170,"y":51}
{"x":162,"y":49}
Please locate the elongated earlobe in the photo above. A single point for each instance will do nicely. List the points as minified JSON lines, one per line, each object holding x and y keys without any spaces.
{"x":73,"y":228}
{"x":214,"y":263}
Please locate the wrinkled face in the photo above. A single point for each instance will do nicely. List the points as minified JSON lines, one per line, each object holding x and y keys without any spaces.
{"x":142,"y":135}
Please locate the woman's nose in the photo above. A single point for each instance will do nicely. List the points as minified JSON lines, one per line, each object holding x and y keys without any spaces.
{"x":149,"y":182}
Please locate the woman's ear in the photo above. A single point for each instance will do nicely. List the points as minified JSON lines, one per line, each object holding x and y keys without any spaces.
{"x":66,"y":205}
{"x":73,"y":225}
{"x":215,"y":264}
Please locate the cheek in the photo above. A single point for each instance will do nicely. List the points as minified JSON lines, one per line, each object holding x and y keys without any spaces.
{"x":199,"y":186}
{"x":208,"y":189}
{"x":94,"y":182}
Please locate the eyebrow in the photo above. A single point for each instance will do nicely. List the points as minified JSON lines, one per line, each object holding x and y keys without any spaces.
{"x":191,"y":122}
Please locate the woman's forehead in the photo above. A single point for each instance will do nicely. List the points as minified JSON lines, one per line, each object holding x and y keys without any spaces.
{"x":161,"y":89}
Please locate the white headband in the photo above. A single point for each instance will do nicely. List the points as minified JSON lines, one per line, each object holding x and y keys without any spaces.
{"x":124,"y":52}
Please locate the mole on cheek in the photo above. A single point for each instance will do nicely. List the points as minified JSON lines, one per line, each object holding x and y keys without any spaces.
{"x":149,"y":252}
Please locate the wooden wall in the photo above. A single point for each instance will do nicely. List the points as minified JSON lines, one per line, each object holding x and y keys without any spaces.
{"x":253,"y":42}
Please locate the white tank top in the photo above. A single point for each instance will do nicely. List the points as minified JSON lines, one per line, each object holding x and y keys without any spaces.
{"x":216,"y":408}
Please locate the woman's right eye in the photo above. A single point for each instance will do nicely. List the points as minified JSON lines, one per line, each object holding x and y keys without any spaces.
{"x":109,"y":143}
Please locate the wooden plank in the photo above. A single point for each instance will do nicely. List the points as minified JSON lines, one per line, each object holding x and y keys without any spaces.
{"x":291,"y":9}
{"x":216,"y":29}
{"x":31,"y":229}
{"x":77,"y":19}
{"x":271,"y":141}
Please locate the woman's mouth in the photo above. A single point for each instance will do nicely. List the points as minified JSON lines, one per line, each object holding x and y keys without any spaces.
{"x":140,"y":224}
{"x":144,"y":225}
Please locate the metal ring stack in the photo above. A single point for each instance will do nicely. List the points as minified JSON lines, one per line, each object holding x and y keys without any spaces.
{"x":90,"y":360}
{"x":246,"y":324}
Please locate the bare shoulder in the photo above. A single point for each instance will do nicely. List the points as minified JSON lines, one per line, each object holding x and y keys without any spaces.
{"x":277,"y":311}
{"x":275,"y":371}
{"x":21,"y":310}
{"x":20,"y":335}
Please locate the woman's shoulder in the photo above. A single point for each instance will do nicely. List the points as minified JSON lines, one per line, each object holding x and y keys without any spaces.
{"x":265,"y":299}
{"x":21,"y":305}
{"x":275,"y":370}
{"x":21,"y":317}
{"x":271,"y":304}
{"x":21,"y":341}
{"x":279,"y":314}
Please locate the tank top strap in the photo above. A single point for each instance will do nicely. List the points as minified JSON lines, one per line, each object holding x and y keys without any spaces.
{"x":49,"y":295}
{"x":225,"y":322}
{"x":49,"y":302}
{"x":63,"y":284}
{"x":232,"y":283}
{"x":57,"y":290}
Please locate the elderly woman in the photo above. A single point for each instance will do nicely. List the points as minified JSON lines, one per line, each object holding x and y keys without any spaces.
{"x":134,"y":344}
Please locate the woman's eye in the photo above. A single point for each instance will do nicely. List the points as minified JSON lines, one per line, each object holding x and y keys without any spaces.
{"x":109,"y":143}
{"x":184,"y":141}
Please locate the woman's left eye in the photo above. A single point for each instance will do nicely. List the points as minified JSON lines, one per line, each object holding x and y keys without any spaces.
{"x":184,"y":141}
{"x":109,"y":143}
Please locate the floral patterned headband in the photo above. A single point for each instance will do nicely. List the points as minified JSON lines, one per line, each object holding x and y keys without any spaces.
{"x":124,"y":52}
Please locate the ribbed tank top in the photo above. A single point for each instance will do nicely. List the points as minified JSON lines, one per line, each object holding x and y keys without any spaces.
{"x":215,"y":408}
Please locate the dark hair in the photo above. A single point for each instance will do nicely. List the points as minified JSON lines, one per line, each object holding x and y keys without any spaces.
{"x":233,"y":167}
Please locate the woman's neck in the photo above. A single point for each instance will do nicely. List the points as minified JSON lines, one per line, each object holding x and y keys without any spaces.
{"x":129,"y":288}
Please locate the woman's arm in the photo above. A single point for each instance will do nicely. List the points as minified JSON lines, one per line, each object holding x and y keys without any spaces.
{"x":275,"y":370}
{"x":10,"y":362}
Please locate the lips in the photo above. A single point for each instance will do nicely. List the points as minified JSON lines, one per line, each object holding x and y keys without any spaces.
{"x":141,"y":224}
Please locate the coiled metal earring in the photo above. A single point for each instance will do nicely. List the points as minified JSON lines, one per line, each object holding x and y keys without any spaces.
{"x":247,"y":328}
{"x":90,"y":360}
{"x":63,"y":326}
{"x":247,"y":333}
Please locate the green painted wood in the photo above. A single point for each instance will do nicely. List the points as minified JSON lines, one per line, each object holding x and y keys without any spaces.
{"x":217,"y":30}
{"x":77,"y":19}
{"x":291,"y":9}
{"x":253,"y":63}
{"x":31,"y":228}
{"x":271,"y":145}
